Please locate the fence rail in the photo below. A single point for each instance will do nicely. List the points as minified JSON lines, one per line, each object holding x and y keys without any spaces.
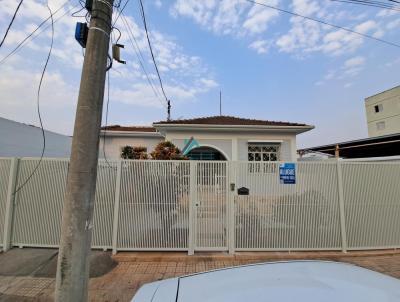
{"x":194,"y":205}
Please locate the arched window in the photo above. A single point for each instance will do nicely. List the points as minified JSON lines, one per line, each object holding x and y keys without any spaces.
{"x":205,"y":153}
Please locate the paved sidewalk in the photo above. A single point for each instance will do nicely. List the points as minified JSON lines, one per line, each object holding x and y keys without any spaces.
{"x":136,"y":269}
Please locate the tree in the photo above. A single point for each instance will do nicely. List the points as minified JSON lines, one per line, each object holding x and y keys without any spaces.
{"x":129,"y":152}
{"x":167,"y":151}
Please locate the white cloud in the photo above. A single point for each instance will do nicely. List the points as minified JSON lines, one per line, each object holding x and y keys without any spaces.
{"x":260,"y":46}
{"x":227,"y":17}
{"x":251,"y":22}
{"x":349,"y":69}
{"x":393,"y":24}
{"x":200,"y":11}
{"x":304,"y":35}
{"x":208,"y":83}
{"x":259,"y":17}
{"x":158,"y":3}
{"x":185,"y":76}
{"x":305,"y":7}
{"x":387,"y":13}
{"x":353,"y":62}
{"x":366,"y":26}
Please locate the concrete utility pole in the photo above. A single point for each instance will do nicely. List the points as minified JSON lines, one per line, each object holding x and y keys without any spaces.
{"x":76,"y":233}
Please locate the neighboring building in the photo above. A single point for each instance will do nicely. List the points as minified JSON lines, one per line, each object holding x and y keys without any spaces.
{"x":383,"y":113}
{"x":373,"y":147}
{"x":212,"y":138}
{"x":21,"y":140}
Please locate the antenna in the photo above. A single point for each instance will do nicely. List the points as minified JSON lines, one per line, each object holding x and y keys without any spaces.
{"x":220,"y":102}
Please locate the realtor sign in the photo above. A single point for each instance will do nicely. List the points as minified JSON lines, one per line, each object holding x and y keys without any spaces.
{"x":287,"y":173}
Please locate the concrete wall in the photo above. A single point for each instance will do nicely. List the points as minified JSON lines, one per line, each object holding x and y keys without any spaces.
{"x":389,"y":115}
{"x":21,"y":140}
{"x":114,"y":144}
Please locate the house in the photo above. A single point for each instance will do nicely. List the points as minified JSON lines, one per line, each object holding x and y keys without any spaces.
{"x":383,"y":113}
{"x":211,"y":138}
{"x":22,"y":140}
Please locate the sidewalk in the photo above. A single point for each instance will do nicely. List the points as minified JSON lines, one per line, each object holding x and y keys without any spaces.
{"x":137,"y":268}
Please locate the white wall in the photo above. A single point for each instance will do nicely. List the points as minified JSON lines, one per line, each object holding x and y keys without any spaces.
{"x":234,"y":144}
{"x":21,"y":140}
{"x":114,"y":144}
{"x":390,"y":114}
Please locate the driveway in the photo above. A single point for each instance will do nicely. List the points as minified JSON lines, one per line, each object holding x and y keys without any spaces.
{"x":28,"y":274}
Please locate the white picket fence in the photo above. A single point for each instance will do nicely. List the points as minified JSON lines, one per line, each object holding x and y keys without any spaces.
{"x":194,"y":205}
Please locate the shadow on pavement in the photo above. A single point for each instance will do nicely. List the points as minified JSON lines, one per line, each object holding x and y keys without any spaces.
{"x":38,"y":262}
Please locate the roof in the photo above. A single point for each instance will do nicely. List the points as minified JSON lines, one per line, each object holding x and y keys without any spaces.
{"x":129,"y":128}
{"x":387,"y":90}
{"x":386,"y":145}
{"x":227,"y":120}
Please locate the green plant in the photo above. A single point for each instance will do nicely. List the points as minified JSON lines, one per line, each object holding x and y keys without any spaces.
{"x":167,"y":151}
{"x":129,"y":152}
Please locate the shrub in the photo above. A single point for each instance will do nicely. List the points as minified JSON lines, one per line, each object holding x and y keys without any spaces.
{"x":129,"y":152}
{"x":167,"y":151}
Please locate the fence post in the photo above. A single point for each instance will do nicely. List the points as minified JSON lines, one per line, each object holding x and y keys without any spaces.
{"x":116,"y":207}
{"x":231,"y":205}
{"x":12,"y":182}
{"x":192,"y":201}
{"x":341,"y":207}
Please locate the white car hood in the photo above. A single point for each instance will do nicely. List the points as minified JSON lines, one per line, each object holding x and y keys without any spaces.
{"x":308,"y":281}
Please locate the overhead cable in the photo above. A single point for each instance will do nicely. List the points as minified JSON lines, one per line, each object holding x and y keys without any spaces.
{"x":324,"y":22}
{"x":11,"y":22}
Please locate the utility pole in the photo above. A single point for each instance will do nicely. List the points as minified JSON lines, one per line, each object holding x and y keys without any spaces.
{"x":76,"y":232}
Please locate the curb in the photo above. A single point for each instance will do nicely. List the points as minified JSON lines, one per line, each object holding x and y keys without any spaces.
{"x":246,"y":256}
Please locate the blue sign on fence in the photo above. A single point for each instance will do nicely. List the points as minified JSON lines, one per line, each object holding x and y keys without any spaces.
{"x":287,"y":173}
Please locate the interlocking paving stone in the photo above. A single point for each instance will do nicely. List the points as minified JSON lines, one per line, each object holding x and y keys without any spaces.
{"x":130,"y":274}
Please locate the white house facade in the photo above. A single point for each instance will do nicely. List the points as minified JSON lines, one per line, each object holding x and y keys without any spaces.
{"x":211,"y":138}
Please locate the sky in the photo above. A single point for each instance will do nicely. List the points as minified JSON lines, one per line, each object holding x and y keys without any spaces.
{"x":268,"y":65}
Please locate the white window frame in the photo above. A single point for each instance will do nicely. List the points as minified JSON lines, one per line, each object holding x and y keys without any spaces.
{"x":265,"y":154}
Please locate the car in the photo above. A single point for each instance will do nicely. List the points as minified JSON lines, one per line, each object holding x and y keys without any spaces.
{"x":300,"y":281}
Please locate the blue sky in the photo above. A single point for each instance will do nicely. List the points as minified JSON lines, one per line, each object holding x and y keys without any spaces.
{"x":268,"y":65}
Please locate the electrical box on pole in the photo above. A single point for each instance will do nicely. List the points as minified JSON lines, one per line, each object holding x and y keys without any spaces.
{"x":81,"y":33}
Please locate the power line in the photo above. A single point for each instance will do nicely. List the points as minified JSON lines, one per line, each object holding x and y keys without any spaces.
{"x":108,"y":103}
{"x":324,"y":22}
{"x":11,"y":22}
{"x":376,"y":4}
{"x":152,"y":56}
{"x":22,"y":43}
{"x":140,"y":58}
{"x":120,"y":11}
{"x":38,"y":104}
